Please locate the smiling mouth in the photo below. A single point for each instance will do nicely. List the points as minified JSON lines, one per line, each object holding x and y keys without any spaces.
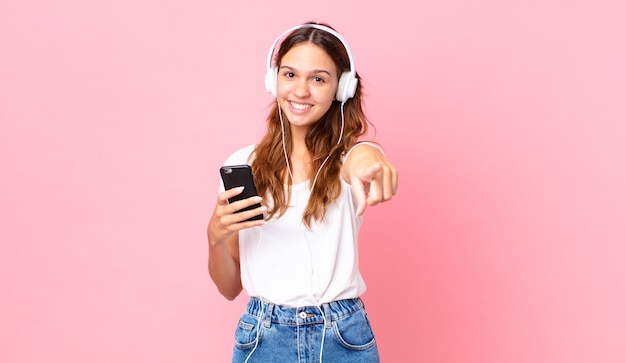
{"x":300,"y":106}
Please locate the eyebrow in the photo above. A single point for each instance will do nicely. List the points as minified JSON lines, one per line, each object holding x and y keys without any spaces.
{"x":315,"y":71}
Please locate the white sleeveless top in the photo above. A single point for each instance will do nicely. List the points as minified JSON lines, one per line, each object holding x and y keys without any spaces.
{"x":285,"y":263}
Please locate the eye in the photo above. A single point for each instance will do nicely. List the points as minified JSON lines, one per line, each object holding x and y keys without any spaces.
{"x":319,"y":79}
{"x":289,"y":74}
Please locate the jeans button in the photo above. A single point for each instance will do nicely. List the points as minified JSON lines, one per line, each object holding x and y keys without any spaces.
{"x":303,"y":315}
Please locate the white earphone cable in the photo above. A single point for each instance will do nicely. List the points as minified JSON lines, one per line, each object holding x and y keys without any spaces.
{"x":282,"y":129}
{"x":338,"y":142}
{"x":260,"y":317}
{"x":317,"y":304}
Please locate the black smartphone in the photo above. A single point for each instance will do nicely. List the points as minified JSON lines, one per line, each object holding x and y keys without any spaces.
{"x":241,"y":176}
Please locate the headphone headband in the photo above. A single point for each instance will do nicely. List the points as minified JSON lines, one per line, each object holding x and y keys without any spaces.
{"x":347,"y":82}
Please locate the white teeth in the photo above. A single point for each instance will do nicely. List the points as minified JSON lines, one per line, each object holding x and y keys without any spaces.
{"x":299,"y":106}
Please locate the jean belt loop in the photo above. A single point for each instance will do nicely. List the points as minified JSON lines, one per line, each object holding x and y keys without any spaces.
{"x":267,"y":322}
{"x":327,"y":316}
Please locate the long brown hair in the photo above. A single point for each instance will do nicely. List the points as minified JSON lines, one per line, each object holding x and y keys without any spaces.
{"x":269,"y":165}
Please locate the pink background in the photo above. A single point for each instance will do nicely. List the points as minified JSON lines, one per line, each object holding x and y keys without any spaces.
{"x":506,"y":119}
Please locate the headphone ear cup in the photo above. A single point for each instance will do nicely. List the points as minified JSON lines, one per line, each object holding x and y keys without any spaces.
{"x":271,"y":79}
{"x":346,"y":87}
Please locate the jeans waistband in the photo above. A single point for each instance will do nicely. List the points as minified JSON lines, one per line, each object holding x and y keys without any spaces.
{"x":325,"y":313}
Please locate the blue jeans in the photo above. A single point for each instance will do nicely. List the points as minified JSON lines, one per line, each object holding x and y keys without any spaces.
{"x":339,"y":330}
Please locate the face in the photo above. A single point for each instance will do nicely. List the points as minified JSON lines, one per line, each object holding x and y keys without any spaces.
{"x":307,"y":84}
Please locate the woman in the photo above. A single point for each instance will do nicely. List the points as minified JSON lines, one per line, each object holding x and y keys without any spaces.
{"x":299,"y":264}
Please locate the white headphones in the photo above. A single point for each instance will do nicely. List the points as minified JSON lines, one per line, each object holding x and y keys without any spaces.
{"x":347,"y":82}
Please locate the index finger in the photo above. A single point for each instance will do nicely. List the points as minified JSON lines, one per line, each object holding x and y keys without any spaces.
{"x":359,"y":194}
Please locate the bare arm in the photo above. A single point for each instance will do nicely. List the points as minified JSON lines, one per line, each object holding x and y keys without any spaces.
{"x":223,"y":236}
{"x":224,"y":266}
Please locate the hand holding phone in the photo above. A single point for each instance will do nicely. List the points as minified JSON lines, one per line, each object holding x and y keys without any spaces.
{"x":241,"y":176}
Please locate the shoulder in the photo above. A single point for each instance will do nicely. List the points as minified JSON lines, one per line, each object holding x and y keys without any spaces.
{"x":241,"y":156}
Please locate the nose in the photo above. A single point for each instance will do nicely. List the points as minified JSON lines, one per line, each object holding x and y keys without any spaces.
{"x":301,"y":88}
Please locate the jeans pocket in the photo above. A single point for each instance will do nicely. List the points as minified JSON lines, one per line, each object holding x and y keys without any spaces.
{"x":354,"y":332}
{"x":247,"y":332}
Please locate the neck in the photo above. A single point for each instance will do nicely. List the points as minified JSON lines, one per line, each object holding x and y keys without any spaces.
{"x":298,"y":134}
